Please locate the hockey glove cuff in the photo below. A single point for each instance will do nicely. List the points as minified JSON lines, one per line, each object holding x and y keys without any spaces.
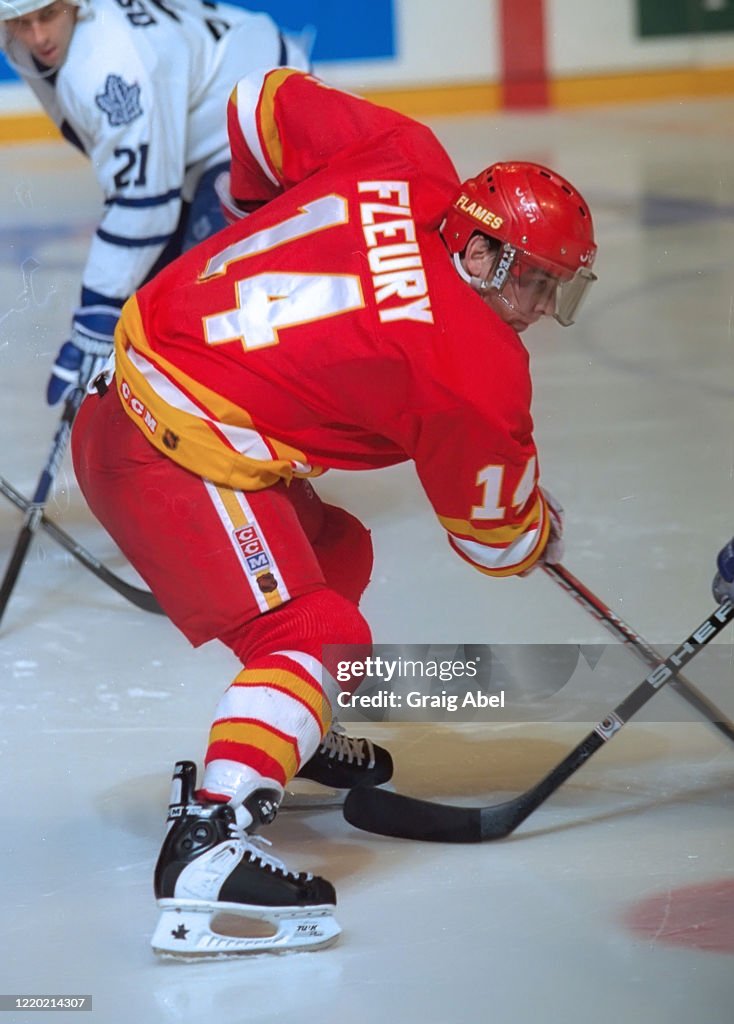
{"x":555,"y":548}
{"x":82,"y":357}
{"x":233,"y":209}
{"x":723,"y":584}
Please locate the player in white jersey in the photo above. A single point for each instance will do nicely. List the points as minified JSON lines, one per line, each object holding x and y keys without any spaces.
{"x":141,"y":87}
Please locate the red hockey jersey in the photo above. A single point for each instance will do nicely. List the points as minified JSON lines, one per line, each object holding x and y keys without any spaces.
{"x":330,"y":329}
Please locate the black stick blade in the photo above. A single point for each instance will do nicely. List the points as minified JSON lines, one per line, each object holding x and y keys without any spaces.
{"x":385,"y":813}
{"x":391,"y":814}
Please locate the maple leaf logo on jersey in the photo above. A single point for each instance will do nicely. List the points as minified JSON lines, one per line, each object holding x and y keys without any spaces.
{"x":120,"y":101}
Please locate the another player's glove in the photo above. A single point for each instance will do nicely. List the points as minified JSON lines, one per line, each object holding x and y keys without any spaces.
{"x":233,"y":209}
{"x":82,"y":357}
{"x":723,"y":584}
{"x":555,"y":547}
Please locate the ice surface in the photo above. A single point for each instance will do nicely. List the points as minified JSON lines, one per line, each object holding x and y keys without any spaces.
{"x":633,"y":412}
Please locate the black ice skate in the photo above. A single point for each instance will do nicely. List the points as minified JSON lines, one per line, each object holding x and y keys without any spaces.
{"x":211,"y":865}
{"x":343,"y":763}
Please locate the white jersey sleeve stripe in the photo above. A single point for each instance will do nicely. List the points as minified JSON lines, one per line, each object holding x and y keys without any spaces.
{"x":127,"y":201}
{"x":128,"y":242}
{"x":499,"y":559}
{"x":247,"y":93}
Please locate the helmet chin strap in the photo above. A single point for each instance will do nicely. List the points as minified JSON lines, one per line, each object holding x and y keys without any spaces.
{"x":497,"y":275}
{"x":479,"y":284}
{"x":483,"y":285}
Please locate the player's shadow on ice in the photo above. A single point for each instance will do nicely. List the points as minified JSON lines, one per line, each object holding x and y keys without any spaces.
{"x":633,"y":775}
{"x":437,"y":761}
{"x":462,"y":766}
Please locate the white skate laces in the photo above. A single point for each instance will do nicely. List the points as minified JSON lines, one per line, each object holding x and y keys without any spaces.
{"x":255,"y":852}
{"x":341,"y":763}
{"x":337,"y":744}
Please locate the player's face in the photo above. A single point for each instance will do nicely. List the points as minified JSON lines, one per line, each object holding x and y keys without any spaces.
{"x":45,"y":33}
{"x":527,"y":293}
{"x":525,"y":297}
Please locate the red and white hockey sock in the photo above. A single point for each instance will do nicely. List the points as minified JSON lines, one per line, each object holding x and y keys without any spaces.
{"x":270,"y":721}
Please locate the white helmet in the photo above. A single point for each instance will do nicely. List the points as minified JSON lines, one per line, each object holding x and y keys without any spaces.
{"x":17,"y":8}
{"x":15,"y":54}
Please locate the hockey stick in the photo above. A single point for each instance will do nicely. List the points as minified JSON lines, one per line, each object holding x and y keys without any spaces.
{"x":137,"y":596}
{"x":34,"y":511}
{"x":391,"y":814}
{"x":645,"y":652}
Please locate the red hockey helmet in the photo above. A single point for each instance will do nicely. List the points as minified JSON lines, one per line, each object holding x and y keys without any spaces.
{"x":541,"y":221}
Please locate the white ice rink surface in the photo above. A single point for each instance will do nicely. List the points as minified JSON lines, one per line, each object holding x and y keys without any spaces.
{"x":615,"y":901}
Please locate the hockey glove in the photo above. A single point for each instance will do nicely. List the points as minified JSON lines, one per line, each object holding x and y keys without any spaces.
{"x":723,"y":585}
{"x":233,"y":209}
{"x":555,"y":547}
{"x":82,"y":357}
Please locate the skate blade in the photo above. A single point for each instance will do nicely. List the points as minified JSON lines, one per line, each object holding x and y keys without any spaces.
{"x":198,"y":930}
{"x":304,"y":795}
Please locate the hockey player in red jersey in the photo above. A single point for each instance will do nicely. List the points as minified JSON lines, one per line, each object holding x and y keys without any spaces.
{"x":367,"y":314}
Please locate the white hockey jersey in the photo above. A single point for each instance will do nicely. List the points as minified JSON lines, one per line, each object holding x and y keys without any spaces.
{"x":143,"y":91}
